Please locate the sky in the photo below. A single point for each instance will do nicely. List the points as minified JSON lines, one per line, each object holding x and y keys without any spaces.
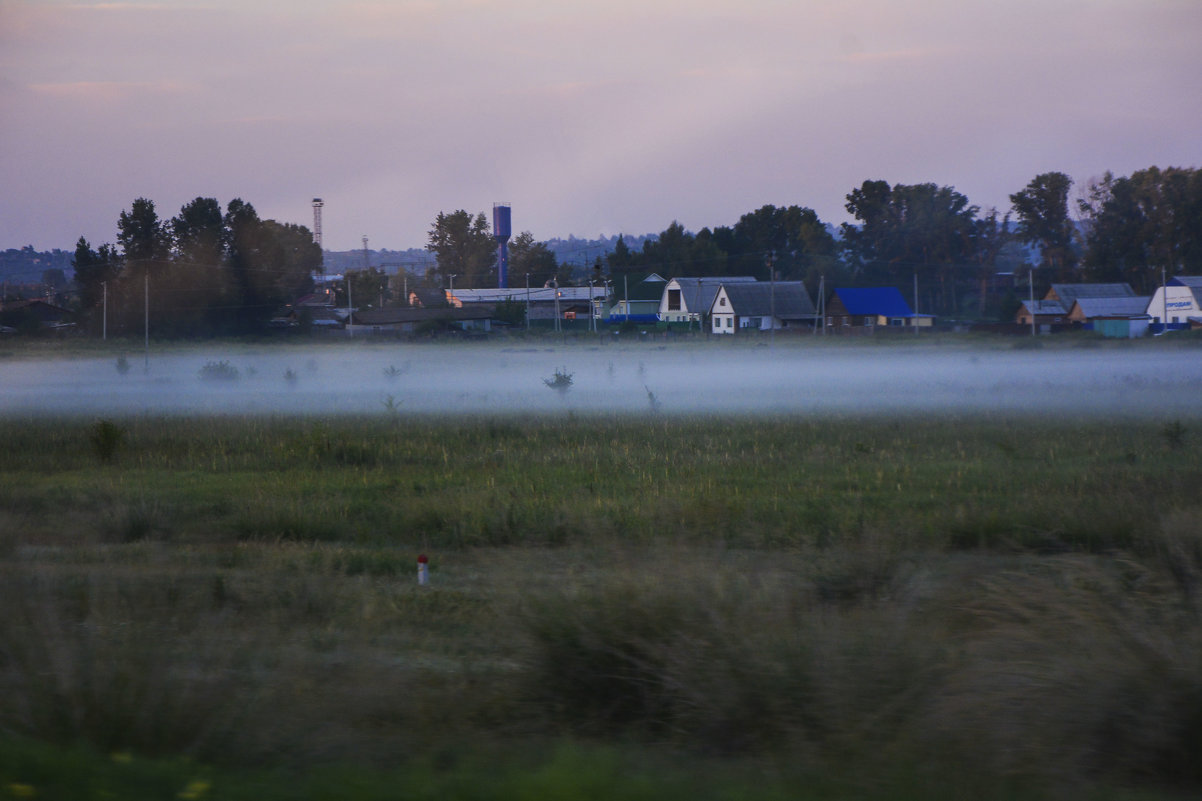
{"x":588,"y":117}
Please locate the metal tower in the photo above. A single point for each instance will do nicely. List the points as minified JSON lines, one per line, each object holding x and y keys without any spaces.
{"x":501,"y":231}
{"x":317,"y":204}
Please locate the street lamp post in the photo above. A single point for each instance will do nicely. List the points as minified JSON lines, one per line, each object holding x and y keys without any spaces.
{"x":527,"y":301}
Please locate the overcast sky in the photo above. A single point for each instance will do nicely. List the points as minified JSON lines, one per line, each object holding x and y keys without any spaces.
{"x":588,"y":116}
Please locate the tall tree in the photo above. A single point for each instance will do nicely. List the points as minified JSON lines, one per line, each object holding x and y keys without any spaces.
{"x":464,"y":247}
{"x":93,"y":270}
{"x":905,"y":231}
{"x":1143,"y":225}
{"x":621,"y":259}
{"x":528,"y":258}
{"x":793,"y":240}
{"x":144,"y":240}
{"x":990,"y":236}
{"x":1042,"y":210}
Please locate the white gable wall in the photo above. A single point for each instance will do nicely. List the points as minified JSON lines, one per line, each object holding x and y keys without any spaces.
{"x":1173,"y":304}
{"x":722,"y":314}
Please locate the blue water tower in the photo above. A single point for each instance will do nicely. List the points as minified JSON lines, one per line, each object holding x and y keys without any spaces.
{"x":501,"y":231}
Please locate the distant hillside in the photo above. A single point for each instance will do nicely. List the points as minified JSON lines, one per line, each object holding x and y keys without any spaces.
{"x":26,"y":266}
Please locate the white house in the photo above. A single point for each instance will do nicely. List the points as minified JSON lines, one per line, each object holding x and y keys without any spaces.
{"x":688,"y":299}
{"x":1173,"y":304}
{"x":760,"y":306}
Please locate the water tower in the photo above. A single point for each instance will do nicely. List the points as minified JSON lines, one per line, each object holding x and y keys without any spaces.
{"x":317,"y":204}
{"x":501,"y":230}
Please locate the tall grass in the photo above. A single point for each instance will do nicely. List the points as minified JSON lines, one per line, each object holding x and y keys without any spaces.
{"x":947,"y":603}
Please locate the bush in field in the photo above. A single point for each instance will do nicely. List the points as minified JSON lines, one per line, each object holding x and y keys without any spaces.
{"x":106,"y":438}
{"x":1173,"y":434}
{"x":219,"y":371}
{"x":561,"y":382}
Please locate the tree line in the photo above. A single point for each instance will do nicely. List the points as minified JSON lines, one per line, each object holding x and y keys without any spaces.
{"x":204,"y":271}
{"x":209,"y":270}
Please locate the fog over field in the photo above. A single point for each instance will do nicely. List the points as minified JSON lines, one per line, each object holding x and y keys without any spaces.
{"x":708,"y":378}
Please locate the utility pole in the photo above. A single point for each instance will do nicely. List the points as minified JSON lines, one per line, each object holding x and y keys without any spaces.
{"x":915,"y":320}
{"x":1031,"y":290}
{"x":146,"y":317}
{"x":104,"y":314}
{"x":527,"y":302}
{"x":771,"y":301}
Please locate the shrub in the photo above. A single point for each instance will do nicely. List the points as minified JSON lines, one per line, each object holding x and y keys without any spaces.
{"x":561,"y":382}
{"x":106,"y":438}
{"x":219,"y":371}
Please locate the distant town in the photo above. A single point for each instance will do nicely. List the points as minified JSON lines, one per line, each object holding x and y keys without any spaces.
{"x":1122,"y":259}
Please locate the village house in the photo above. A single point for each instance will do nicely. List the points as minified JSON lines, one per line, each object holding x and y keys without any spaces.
{"x":1123,"y":318}
{"x":1067,"y":294}
{"x":688,"y":300}
{"x":872,"y":307}
{"x":1173,"y":305}
{"x":761,"y":306}
{"x":1046,"y":313}
{"x":636,"y":298}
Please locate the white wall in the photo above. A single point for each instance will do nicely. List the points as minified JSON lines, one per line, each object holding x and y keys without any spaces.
{"x":1175,"y":307}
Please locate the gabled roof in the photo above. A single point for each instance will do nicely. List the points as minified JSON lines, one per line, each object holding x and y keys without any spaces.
{"x":697,"y":293}
{"x":1044,"y":307}
{"x":638,"y":287}
{"x":885,"y":301}
{"x":427,"y":297}
{"x":788,"y":300}
{"x":1191,"y":281}
{"x":1067,"y":293}
{"x":1112,"y":307}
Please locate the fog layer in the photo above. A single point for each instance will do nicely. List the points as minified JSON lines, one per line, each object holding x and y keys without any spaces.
{"x":639,"y":379}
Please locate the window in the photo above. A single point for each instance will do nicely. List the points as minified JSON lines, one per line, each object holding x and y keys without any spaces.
{"x":673,"y":300}
{"x":722,"y":301}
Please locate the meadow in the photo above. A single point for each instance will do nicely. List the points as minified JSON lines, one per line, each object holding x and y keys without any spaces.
{"x":982,"y":604}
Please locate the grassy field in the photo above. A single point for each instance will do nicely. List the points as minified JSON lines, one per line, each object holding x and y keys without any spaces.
{"x":619,"y":607}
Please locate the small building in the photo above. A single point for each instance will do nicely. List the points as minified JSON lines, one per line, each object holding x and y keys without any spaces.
{"x":636,"y":298}
{"x":1067,"y":294}
{"x":870,"y":307}
{"x":1122,"y":318}
{"x":761,"y":306}
{"x":1171,"y":305}
{"x":1044,"y":313}
{"x":688,"y":300}
{"x":36,"y":314}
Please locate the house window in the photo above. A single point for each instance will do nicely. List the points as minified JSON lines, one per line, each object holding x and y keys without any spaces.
{"x":673,"y":300}
{"x":722,"y":301}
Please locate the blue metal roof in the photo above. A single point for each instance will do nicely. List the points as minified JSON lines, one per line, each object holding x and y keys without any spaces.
{"x":885,"y":301}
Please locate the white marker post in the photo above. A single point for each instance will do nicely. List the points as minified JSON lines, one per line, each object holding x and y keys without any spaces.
{"x":423,"y":570}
